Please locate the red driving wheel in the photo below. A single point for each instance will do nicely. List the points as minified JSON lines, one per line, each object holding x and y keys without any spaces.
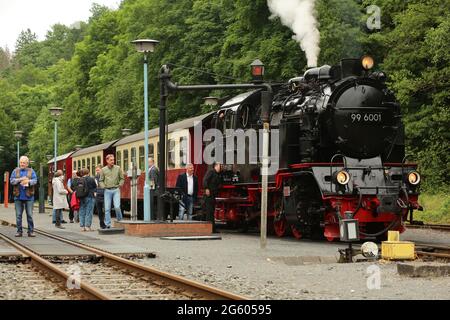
{"x":295,"y":232}
{"x":280,"y":226}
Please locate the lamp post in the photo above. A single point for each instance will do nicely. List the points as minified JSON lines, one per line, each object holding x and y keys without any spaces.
{"x":146,"y":46}
{"x":18,"y":135}
{"x":126,"y":132}
{"x":56,"y":113}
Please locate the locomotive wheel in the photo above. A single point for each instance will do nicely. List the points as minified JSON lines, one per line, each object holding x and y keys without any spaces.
{"x":280,"y":227}
{"x":295,"y":232}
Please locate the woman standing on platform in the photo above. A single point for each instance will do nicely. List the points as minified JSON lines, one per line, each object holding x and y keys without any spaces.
{"x":88,"y":201}
{"x":59,"y":197}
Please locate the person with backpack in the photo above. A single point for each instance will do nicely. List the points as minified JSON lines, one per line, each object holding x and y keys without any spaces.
{"x":85,"y":191}
{"x":59,"y":197}
{"x":71,"y":184}
{"x":24,"y":180}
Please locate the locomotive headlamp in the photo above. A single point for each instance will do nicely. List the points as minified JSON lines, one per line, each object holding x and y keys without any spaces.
{"x":367,"y":62}
{"x":342,"y":177}
{"x":414,"y":178}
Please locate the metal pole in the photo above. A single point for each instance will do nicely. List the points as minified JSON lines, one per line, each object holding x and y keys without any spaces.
{"x":264,"y":185}
{"x":147,"y":210}
{"x":162,"y":140}
{"x":41,"y":189}
{"x":18,"y":154}
{"x":6,"y":199}
{"x":134,"y":184}
{"x":56,"y":145}
{"x":266,"y":104}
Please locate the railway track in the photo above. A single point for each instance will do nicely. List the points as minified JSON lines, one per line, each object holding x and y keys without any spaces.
{"x":116,"y":278}
{"x":440,"y":227}
{"x":432,"y":251}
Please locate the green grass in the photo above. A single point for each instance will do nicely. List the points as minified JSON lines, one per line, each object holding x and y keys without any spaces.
{"x":436,"y":208}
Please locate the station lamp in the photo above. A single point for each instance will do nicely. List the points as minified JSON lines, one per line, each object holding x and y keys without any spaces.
{"x":145,"y":45}
{"x":211,"y":101}
{"x":257,"y":68}
{"x":126,"y":132}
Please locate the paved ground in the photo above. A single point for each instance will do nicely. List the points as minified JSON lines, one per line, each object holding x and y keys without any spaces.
{"x":286,"y":269}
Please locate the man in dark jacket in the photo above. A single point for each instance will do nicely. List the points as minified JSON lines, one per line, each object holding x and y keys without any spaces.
{"x":153,"y":173}
{"x":100,"y":198}
{"x":211,"y":184}
{"x":188,"y":183}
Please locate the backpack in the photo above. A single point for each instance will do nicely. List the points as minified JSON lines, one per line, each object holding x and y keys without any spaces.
{"x":81,"y":188}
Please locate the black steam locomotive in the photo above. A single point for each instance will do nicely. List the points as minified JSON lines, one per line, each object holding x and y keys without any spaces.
{"x":341,"y":154}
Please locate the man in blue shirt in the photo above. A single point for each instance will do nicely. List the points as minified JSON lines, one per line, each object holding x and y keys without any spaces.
{"x":23,"y":180}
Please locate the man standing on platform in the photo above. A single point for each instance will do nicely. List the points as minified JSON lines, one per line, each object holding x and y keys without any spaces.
{"x":211,"y":184}
{"x":111,"y":179}
{"x":100,"y":198}
{"x":153,"y":173}
{"x":23,"y":180}
{"x":188,"y":183}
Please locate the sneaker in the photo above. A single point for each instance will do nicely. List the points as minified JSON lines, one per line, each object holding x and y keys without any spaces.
{"x":18,"y":234}
{"x":71,"y":221}
{"x":60,"y":227}
{"x":88,"y":229}
{"x":108,"y":227}
{"x":64,"y":221}
{"x":83,"y":229}
{"x":32,"y":235}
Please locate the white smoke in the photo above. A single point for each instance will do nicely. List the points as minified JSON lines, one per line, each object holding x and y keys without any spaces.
{"x":299,"y":15}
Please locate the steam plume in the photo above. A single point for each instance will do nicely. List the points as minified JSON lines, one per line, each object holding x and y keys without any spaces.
{"x":299,"y":15}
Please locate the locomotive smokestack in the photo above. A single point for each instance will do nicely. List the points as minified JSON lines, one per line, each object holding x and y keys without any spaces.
{"x":299,"y":15}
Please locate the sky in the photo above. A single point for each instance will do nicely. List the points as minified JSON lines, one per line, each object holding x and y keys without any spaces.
{"x":40,"y":15}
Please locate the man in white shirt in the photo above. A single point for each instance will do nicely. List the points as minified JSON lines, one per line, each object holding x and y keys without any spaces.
{"x":188,"y":183}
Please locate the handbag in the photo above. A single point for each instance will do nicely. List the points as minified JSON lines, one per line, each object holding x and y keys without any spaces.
{"x":74,"y":202}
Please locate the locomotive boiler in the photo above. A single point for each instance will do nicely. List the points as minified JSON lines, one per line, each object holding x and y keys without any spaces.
{"x":341,"y":154}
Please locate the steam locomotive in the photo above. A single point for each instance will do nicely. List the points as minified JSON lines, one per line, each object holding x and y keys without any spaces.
{"x":341,"y":154}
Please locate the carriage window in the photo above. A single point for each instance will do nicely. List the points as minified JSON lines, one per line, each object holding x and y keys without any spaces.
{"x":79,"y":165}
{"x":183,"y":152}
{"x":125,"y":160}
{"x":244,"y":115}
{"x":151,"y":151}
{"x":133,"y":156}
{"x":64,"y":169}
{"x":141,"y":158}
{"x":74,"y":165}
{"x":93,"y":166}
{"x":229,"y":117}
{"x":89,"y":164}
{"x":83,"y":163}
{"x":99,"y":160}
{"x":171,"y":160}
{"x":119,"y":158}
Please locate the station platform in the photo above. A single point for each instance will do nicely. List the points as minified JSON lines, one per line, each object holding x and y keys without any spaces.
{"x":47,"y":247}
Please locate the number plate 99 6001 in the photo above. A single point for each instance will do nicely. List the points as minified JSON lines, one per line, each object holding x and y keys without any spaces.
{"x":366,"y":117}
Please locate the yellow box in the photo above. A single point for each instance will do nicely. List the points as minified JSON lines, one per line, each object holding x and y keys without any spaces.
{"x":393,"y":236}
{"x":397,"y":250}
